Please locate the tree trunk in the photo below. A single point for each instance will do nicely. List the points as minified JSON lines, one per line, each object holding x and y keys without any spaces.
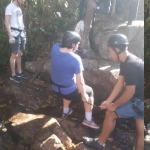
{"x":89,"y":12}
{"x":113,"y":6}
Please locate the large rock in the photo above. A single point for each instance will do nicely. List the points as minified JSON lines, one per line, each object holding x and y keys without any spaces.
{"x":41,"y":132}
{"x":51,"y":143}
{"x":27,"y":126}
{"x":46,"y":71}
{"x":74,"y":130}
{"x":135,"y":34}
{"x":106,"y":25}
{"x":33,"y":66}
{"x":140,"y":14}
{"x":100,"y":74}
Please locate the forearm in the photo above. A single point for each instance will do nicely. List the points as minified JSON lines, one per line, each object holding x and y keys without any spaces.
{"x":126,"y":96}
{"x":8,"y":28}
{"x":81,"y":88}
{"x":117,"y":89}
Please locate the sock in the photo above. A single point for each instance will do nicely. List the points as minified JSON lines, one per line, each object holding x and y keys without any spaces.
{"x":88,"y":116}
{"x":65,"y":110}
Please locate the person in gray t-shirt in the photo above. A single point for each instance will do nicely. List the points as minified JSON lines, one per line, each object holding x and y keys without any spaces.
{"x":17,"y":39}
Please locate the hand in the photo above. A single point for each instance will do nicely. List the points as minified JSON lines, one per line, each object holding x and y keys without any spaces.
{"x":103,"y":105}
{"x":111,"y":107}
{"x":10,"y":35}
{"x":94,"y":5}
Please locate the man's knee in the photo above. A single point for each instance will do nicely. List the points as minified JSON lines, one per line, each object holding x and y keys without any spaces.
{"x":111,"y":114}
{"x":89,"y":91}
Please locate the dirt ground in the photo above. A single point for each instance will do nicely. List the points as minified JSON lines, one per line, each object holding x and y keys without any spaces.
{"x":37,"y":97}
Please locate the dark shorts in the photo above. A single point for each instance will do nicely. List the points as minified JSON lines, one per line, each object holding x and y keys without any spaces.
{"x":18,"y":45}
{"x":76,"y":95}
{"x":126,"y":110}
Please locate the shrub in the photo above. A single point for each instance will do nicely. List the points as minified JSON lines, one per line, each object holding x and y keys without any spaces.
{"x":45,"y":22}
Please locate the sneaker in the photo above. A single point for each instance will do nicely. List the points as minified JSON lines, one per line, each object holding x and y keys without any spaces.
{"x":90,"y":124}
{"x":64,"y":116}
{"x":15,"y":78}
{"x":93,"y":143}
{"x":22,"y":75}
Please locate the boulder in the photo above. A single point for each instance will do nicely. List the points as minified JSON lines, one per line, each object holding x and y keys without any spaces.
{"x":100,"y":74}
{"x":32,"y":66}
{"x":140,"y":14}
{"x":74,"y":130}
{"x":42,"y":132}
{"x":39,"y":131}
{"x":134,"y":32}
{"x":51,"y":143}
{"x":106,"y":25}
{"x":81,"y":146}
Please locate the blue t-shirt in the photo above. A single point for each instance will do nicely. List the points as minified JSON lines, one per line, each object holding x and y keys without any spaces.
{"x":64,"y":66}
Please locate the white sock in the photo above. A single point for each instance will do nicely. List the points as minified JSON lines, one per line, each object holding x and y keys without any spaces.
{"x":88,"y":116}
{"x":65,"y":110}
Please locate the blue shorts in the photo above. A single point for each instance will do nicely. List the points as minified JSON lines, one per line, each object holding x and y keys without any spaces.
{"x":126,"y":110}
{"x":18,"y":45}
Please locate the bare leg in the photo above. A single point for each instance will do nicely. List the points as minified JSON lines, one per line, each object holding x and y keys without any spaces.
{"x":18,"y":60}
{"x":140,"y":134}
{"x":88,"y":107}
{"x":12,"y":63}
{"x":108,"y":126}
{"x":66,"y":103}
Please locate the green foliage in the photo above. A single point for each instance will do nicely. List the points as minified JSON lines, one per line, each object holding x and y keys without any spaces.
{"x":45,"y":22}
{"x":4,"y":45}
{"x":147,"y":32}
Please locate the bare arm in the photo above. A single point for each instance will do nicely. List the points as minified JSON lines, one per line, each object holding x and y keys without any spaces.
{"x":126,"y":96}
{"x":81,"y":86}
{"x":7,"y":24}
{"x":117,"y":89}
